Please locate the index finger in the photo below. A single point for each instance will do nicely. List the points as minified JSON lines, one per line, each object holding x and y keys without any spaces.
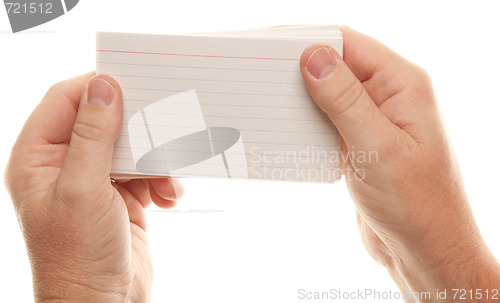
{"x":365,"y":55}
{"x":382,"y":71}
{"x":52,"y":120}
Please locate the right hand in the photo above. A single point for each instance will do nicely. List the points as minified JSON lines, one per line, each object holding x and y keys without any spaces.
{"x":413,"y":212}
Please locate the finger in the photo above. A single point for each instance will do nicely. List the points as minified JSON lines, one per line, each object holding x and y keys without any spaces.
{"x":94,"y":133}
{"x":382,"y":71}
{"x":167,"y":188}
{"x":140,"y":189}
{"x":159,"y":200}
{"x":339,"y":94}
{"x":53,"y":119}
{"x":401,"y":89}
{"x":365,"y":55}
{"x":135,"y":209}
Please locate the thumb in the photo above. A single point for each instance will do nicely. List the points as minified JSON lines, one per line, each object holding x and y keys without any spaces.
{"x":338,"y":92}
{"x":98,"y":123}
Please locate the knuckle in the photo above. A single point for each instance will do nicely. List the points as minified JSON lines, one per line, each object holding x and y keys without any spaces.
{"x":346,"y":98}
{"x":8,"y":178}
{"x":420,"y":90}
{"x":56,"y":88}
{"x":60,"y":90}
{"x":90,"y":131}
{"x":15,"y":179}
{"x":423,"y":75}
{"x":422,"y":79}
{"x":67,"y":193}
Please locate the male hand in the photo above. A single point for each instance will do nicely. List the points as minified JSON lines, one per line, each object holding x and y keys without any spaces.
{"x":85,"y":237}
{"x":413,"y":212}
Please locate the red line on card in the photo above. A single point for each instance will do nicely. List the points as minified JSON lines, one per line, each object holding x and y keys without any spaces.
{"x":189,"y":55}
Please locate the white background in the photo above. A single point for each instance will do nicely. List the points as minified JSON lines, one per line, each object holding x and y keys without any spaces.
{"x":266,"y":240}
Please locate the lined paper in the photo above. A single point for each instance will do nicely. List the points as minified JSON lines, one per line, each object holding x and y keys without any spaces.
{"x":226,"y":105}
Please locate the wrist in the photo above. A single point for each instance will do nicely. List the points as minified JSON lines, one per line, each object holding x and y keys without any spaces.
{"x":73,"y":294}
{"x":50,"y":290}
{"x":96,"y":298}
{"x":472,"y":275}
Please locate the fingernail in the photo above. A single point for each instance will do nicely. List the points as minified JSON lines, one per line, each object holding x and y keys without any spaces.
{"x":100,"y":92}
{"x":321,"y":63}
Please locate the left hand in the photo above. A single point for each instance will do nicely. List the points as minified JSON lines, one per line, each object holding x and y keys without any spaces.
{"x":85,"y":237}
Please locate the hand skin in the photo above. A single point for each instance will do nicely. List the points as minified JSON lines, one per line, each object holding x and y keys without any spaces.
{"x":85,"y":237}
{"x":412,"y":209}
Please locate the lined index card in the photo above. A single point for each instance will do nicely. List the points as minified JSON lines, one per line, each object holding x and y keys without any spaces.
{"x":226,"y":105}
